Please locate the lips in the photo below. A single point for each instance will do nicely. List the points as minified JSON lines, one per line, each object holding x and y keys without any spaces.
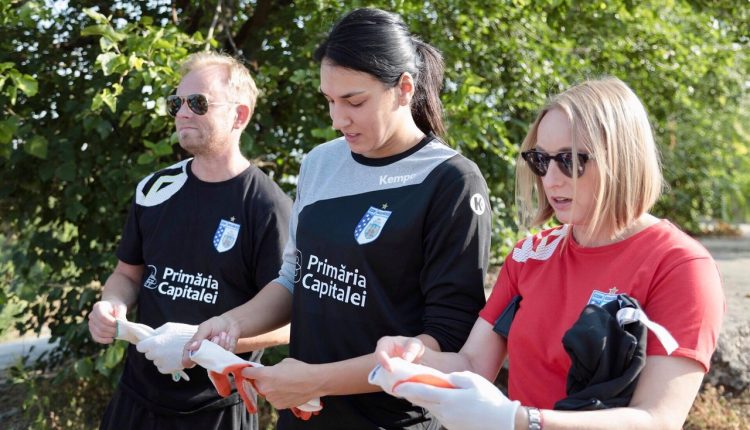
{"x":559,"y":203}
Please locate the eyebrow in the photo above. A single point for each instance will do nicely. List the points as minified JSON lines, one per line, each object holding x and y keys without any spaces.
{"x":345,"y":96}
{"x":566,"y":149}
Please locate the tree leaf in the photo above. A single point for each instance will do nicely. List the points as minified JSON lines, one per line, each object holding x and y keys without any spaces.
{"x":36,"y":146}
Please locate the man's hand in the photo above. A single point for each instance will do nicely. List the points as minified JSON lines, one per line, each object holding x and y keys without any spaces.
{"x":221,"y":330}
{"x":475,"y":403}
{"x":165,"y":347}
{"x":103,"y":320}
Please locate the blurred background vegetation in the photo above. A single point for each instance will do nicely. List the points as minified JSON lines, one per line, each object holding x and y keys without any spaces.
{"x":82,"y":89}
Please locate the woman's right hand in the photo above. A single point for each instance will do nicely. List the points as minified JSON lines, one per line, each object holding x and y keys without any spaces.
{"x":409,"y":348}
{"x":221,"y":330}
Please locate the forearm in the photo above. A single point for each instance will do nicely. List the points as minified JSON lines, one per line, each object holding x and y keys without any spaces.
{"x":345,"y":377}
{"x":483,"y":353}
{"x":120,"y":289}
{"x":621,"y":418}
{"x":665,"y":392}
{"x":446,"y":362}
{"x":268,"y":311}
{"x":276,"y":337}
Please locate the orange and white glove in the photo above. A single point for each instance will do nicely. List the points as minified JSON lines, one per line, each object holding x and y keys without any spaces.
{"x":221,"y":363}
{"x":403,"y":371}
{"x":460,"y":401}
{"x":164,"y":348}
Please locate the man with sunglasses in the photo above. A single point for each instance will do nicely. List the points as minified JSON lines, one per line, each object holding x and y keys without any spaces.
{"x":203,"y":236}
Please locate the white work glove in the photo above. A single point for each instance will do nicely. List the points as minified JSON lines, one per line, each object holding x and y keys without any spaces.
{"x":221,"y":363}
{"x":132,"y":332}
{"x":475,"y":403}
{"x":165,"y":347}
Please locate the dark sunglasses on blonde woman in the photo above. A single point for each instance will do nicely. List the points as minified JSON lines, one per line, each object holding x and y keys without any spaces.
{"x":198,"y":103}
{"x":539,"y":162}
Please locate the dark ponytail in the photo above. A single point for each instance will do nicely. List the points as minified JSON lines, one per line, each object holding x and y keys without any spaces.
{"x":426,"y":107}
{"x":379,"y":43}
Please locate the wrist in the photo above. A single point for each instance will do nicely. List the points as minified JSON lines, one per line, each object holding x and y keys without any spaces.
{"x":534,"y":418}
{"x":522,"y":419}
{"x":319,"y":383}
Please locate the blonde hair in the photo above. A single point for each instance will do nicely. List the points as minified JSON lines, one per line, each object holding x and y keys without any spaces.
{"x":238,"y":80}
{"x":609,"y":122}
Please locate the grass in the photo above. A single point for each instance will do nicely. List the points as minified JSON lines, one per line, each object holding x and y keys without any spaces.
{"x":716,"y":409}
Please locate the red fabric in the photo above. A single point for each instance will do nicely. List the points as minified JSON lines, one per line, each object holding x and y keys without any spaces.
{"x":670,"y":274}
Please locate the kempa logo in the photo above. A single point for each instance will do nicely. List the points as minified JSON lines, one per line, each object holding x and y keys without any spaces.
{"x":477,"y":204}
{"x":386,"y":180}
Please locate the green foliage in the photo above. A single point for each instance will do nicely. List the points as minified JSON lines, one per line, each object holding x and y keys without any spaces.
{"x":82,"y":93}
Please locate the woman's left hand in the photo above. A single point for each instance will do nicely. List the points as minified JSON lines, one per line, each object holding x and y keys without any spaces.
{"x":288,"y":384}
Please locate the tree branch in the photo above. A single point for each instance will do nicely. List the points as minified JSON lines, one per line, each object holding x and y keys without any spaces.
{"x":249,"y":36}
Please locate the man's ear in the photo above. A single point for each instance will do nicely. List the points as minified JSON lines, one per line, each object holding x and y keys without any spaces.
{"x":243,"y":116}
{"x":406,"y":88}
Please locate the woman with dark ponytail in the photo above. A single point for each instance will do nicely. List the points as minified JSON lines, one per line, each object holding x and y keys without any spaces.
{"x":389,"y":235}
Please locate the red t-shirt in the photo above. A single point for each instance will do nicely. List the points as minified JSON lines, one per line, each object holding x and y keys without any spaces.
{"x":672,"y":276}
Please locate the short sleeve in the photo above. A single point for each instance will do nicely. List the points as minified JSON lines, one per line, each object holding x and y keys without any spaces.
{"x":130,"y":249}
{"x":290,"y":264}
{"x":271,"y":236}
{"x":503,"y":291}
{"x":456,"y":244}
{"x":688,"y":300}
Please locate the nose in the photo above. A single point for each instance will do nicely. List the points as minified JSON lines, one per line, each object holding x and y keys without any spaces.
{"x":184,"y":110}
{"x":339,"y":116}
{"x":554,"y":177}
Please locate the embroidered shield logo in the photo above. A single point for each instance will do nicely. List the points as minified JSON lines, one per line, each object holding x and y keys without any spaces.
{"x":371,"y":225}
{"x":226,"y":235}
{"x":600,"y":298}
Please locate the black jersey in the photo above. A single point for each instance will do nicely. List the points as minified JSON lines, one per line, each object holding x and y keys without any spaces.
{"x":390,"y":246}
{"x":206,"y":248}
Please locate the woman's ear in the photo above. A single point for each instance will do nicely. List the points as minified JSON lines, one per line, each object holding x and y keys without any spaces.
{"x":406,"y":88}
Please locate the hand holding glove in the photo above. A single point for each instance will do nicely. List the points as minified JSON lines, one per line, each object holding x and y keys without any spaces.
{"x":221,"y":363}
{"x":402,"y":372}
{"x":132,"y":332}
{"x":165,"y":348}
{"x":474,"y":404}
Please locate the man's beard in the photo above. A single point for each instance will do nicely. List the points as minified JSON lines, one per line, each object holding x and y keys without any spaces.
{"x":201,"y":145}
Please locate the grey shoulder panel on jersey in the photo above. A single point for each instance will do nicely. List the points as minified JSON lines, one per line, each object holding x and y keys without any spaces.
{"x":331,"y":171}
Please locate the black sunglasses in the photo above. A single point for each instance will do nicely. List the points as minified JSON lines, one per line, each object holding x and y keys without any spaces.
{"x":197,"y":103}
{"x":539,"y":162}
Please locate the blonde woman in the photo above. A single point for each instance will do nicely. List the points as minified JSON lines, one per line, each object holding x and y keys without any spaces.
{"x":590,"y":161}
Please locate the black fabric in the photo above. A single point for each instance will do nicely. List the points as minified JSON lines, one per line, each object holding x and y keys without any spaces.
{"x":504,"y":321}
{"x":606,"y":359}
{"x":423,"y":273}
{"x":125,"y":411}
{"x":193,"y":269}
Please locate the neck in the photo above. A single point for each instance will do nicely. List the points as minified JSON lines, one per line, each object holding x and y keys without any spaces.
{"x":586,"y":239}
{"x":405,"y":139}
{"x":219,"y":167}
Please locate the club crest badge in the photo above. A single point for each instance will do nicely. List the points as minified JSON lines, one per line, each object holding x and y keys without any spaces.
{"x":600,"y":298}
{"x":226,"y":235}
{"x":371,"y":225}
